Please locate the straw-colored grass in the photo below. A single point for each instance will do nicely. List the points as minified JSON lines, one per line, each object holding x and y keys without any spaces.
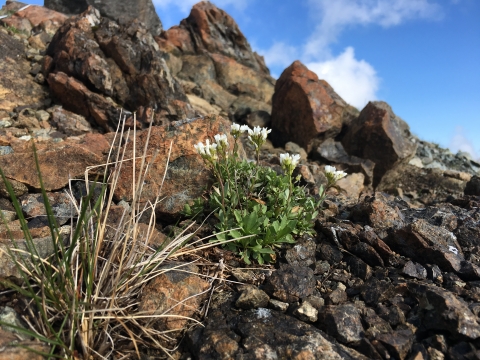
{"x":83,"y":300}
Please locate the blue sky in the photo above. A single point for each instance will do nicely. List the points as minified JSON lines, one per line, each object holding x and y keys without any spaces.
{"x":420,"y":56}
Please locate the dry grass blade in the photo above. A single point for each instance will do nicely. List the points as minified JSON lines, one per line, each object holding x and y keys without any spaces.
{"x":87,"y":300}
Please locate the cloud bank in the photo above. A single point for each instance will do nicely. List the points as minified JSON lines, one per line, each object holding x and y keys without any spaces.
{"x":354,"y":79}
{"x":460,"y":142}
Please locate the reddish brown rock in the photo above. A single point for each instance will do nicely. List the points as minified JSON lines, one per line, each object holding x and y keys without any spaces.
{"x":13,"y":349}
{"x":214,"y":31}
{"x":39,"y":17}
{"x":208,"y":52}
{"x":379,"y":135}
{"x":187,"y":176}
{"x":173,"y":292}
{"x":305,"y":108}
{"x":59,"y":162}
{"x":96,"y":66}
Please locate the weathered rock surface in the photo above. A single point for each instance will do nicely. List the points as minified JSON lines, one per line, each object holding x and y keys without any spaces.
{"x":377,"y":127}
{"x":214,"y":61}
{"x":186,"y":176}
{"x":305,"y":108}
{"x":123,"y":11}
{"x":95,"y":66}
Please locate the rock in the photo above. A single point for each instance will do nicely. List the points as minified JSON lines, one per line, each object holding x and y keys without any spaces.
{"x":398,"y":343}
{"x":305,"y":108}
{"x":16,"y":87}
{"x":426,"y":243}
{"x":39,"y":17}
{"x":34,"y":208}
{"x":43,"y":245}
{"x":69,"y":123}
{"x":13,"y":349}
{"x":215,"y":62}
{"x":124,"y":11}
{"x":173,"y":292}
{"x":333,"y":152}
{"x":259,"y":118}
{"x":59,"y":162}
{"x":375,"y":291}
{"x":252,"y":298}
{"x":424,"y":185}
{"x":264,"y":335}
{"x":278,"y":305}
{"x":213,"y":30}
{"x":473,"y":186}
{"x":342,"y":322}
{"x":359,"y":268}
{"x":186,"y":177}
{"x":290,"y":283}
{"x":380,"y":136}
{"x":441,"y":310}
{"x":336,"y":297}
{"x":94,"y":66}
{"x":377,"y":213}
{"x":303,"y":253}
{"x":414,"y":270}
{"x":306,"y":312}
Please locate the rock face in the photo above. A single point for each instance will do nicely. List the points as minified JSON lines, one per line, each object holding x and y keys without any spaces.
{"x":305,"y":108}
{"x":214,"y":61}
{"x":377,"y":127}
{"x":122,"y":10}
{"x":95,"y":66}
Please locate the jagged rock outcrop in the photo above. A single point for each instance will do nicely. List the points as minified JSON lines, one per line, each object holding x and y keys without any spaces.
{"x":305,"y":108}
{"x":95,"y":66}
{"x":118,"y":10}
{"x":377,"y":127}
{"x":215,"y":62}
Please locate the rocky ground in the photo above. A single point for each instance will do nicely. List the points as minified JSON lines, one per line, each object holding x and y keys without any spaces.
{"x":393,"y":271}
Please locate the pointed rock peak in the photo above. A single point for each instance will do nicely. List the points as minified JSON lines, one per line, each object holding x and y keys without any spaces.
{"x":214,"y":31}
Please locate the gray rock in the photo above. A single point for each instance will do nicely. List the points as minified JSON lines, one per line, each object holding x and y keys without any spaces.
{"x":303,"y":253}
{"x":343,"y":322}
{"x":34,"y":208}
{"x":290,"y":283}
{"x":414,"y":270}
{"x":123,"y":10}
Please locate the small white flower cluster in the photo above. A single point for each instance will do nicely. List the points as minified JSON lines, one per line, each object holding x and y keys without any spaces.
{"x":289,"y":162}
{"x":333,"y":175}
{"x":237,"y":130}
{"x":258,"y":135}
{"x":222,"y":144}
{"x":208,"y":151}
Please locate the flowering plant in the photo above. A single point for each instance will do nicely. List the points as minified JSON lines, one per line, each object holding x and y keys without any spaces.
{"x":254,"y":206}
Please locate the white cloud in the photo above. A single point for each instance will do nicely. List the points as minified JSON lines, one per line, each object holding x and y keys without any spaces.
{"x":186,"y":5}
{"x":460,"y":142}
{"x":280,"y":54}
{"x":354,"y":80}
{"x":335,"y":16}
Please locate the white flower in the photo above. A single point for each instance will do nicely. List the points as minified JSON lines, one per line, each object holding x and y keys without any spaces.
{"x":258,"y":135}
{"x":289,"y":162}
{"x":200,"y":148}
{"x":238,"y":129}
{"x":208,"y":151}
{"x":221,"y":139}
{"x":333,"y":174}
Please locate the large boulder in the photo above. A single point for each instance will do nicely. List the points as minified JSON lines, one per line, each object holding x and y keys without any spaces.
{"x":95,"y":67}
{"x":305,"y":108}
{"x":213,"y":60}
{"x":122,"y":10}
{"x":381,"y":136}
